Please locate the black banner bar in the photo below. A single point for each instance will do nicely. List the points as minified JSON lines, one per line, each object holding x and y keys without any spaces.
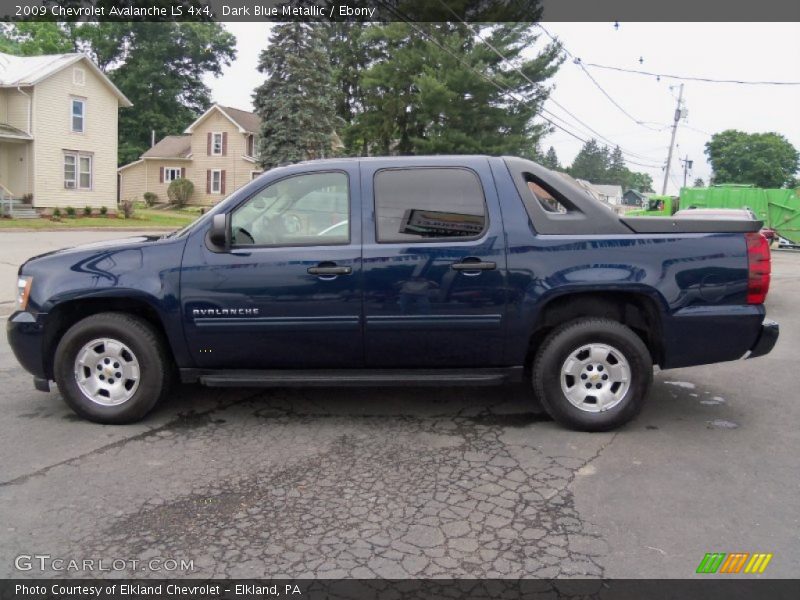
{"x":710,"y":588}
{"x":401,"y":10}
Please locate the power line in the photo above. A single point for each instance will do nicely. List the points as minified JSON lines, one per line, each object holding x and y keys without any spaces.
{"x":690,"y":78}
{"x":533,"y":83}
{"x":576,"y":60}
{"x":505,"y":91}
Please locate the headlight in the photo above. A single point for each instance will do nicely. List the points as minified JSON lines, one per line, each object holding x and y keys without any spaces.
{"x":23,"y":291}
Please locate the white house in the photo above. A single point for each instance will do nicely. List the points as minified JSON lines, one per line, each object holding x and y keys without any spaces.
{"x":58,"y":131}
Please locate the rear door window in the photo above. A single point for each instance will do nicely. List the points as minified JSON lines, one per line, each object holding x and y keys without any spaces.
{"x":429,"y":205}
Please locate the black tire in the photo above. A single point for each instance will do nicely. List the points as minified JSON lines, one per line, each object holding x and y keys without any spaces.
{"x":148,"y":348}
{"x":569,"y":338}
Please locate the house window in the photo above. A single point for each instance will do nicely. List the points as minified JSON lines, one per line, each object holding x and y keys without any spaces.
{"x":78,"y":114}
{"x":78,"y":76}
{"x":77,"y":171}
{"x":69,"y":171}
{"x":250,"y":145}
{"x":255,"y":174}
{"x":216,"y":181}
{"x":171,"y":174}
{"x":216,"y":144}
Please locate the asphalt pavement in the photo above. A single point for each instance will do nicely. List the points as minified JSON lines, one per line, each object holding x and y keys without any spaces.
{"x":403,"y":483}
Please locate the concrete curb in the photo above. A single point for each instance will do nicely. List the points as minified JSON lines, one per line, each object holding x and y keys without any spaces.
{"x":123,"y":229}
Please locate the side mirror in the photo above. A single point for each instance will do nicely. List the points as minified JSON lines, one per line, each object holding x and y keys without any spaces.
{"x":218,"y":233}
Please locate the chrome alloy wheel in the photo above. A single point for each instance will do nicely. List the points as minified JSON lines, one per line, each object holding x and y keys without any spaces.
{"x":595,"y":377}
{"x":107,"y":372}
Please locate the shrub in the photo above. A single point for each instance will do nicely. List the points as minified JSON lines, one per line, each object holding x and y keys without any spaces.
{"x":56,"y":214}
{"x":179,"y":191}
{"x":150,"y":198}
{"x":127,"y":207}
{"x":70,"y":211}
{"x":87,"y":211}
{"x":27,"y":198}
{"x":104,"y":210}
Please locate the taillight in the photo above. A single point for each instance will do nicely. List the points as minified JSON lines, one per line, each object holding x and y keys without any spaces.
{"x":758,"y":268}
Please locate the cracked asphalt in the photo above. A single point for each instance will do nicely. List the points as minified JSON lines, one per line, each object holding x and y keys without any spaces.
{"x":400,"y":483}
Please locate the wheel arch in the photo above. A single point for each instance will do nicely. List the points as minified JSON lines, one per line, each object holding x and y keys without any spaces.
{"x":639,"y":310}
{"x":64,"y":315}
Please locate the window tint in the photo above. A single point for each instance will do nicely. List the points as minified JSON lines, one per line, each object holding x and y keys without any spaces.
{"x":307,"y":210}
{"x":546,"y":199}
{"x":543,"y":198}
{"x":426,"y":204}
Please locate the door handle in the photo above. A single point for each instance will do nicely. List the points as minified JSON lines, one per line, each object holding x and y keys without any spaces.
{"x":330,"y":270}
{"x":477,"y":265}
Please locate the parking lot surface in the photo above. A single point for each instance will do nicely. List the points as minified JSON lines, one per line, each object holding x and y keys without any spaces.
{"x":411,"y":483}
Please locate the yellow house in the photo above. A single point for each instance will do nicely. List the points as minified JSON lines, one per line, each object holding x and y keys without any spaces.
{"x":216,"y":152}
{"x":58,"y":131}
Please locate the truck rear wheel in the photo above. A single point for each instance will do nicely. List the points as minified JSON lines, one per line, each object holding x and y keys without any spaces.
{"x":112,"y":368}
{"x":592,"y":374}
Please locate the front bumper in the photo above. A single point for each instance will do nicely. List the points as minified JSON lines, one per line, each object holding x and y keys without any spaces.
{"x":766,"y":339}
{"x":25,"y":333}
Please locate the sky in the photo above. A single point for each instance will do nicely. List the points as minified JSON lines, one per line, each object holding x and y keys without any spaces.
{"x":741,"y":51}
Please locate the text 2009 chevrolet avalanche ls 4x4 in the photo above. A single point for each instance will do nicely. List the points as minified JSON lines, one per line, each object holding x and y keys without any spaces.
{"x":414,"y":270}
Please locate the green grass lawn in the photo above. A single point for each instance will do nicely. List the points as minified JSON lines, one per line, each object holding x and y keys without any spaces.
{"x":143,"y":218}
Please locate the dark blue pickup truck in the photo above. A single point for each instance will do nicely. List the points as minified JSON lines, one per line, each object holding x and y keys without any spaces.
{"x":409,"y":270}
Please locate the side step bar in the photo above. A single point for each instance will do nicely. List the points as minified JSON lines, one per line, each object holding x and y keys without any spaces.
{"x":352,"y":377}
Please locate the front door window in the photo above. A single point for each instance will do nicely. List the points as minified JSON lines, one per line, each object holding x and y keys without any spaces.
{"x":305,"y":210}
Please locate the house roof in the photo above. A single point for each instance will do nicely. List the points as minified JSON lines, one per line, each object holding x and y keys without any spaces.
{"x":612,"y":191}
{"x":172,"y":146}
{"x":7,"y":131}
{"x":23,"y":71}
{"x":638,"y":194}
{"x":246,"y":122}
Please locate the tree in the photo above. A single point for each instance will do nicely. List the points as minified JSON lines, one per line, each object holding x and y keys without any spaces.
{"x":597,"y":165}
{"x":698,"y":183}
{"x":428,"y":88}
{"x":295,"y":103}
{"x":641,"y":182}
{"x":617,"y":173}
{"x":31,"y":38}
{"x":767,"y":160}
{"x":550,"y":159}
{"x":460,"y":110}
{"x":350,"y":56}
{"x":591,"y":163}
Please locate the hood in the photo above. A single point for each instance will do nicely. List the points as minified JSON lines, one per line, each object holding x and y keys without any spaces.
{"x":106,"y":245}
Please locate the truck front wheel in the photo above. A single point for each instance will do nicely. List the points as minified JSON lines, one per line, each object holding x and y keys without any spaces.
{"x":112,"y":368}
{"x":592,"y":374}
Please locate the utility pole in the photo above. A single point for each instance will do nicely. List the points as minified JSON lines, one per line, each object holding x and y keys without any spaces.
{"x":687,"y":166}
{"x":678,"y":114}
